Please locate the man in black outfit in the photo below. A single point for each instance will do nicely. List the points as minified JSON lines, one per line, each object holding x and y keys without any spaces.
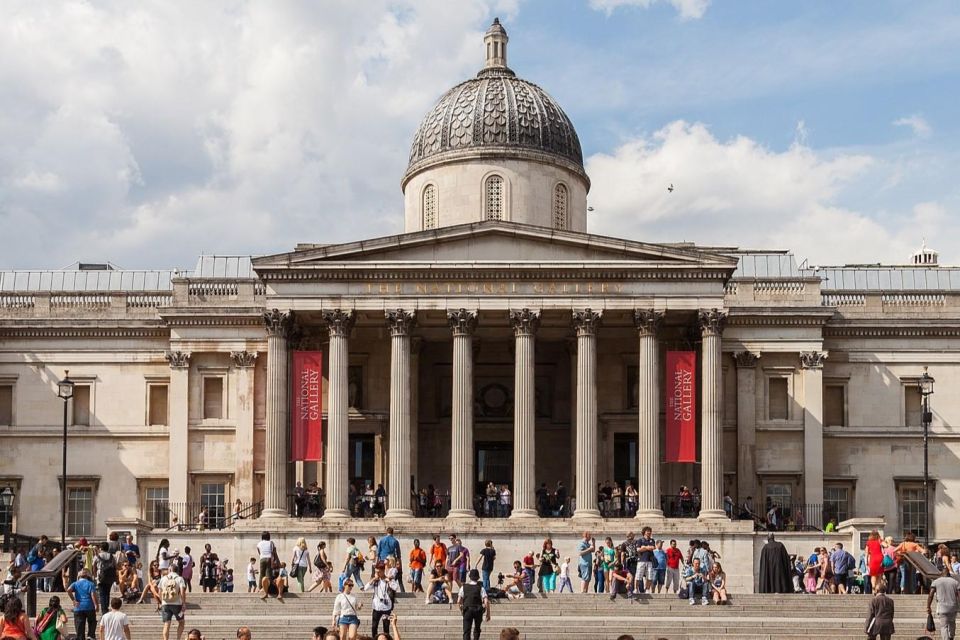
{"x":474,"y":605}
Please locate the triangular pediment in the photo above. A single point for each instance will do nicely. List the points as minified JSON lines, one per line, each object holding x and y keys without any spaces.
{"x":496,"y":242}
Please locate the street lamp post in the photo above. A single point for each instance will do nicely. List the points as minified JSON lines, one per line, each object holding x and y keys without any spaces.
{"x":64,"y":392}
{"x":6,"y":499}
{"x":925,"y":384}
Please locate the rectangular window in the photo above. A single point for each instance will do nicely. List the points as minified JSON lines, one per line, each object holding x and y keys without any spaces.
{"x":157,"y":404}
{"x":6,"y":404}
{"x":79,"y":511}
{"x":834,"y":405}
{"x":777,"y":399}
{"x":780,"y":494}
{"x":912,"y":405}
{"x":156,"y":506}
{"x":213,"y":498}
{"x":213,"y":398}
{"x":81,"y":405}
{"x":836,"y":504}
{"x":913,"y":509}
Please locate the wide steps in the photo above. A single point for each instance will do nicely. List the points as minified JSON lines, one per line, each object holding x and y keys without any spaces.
{"x":561,"y":616}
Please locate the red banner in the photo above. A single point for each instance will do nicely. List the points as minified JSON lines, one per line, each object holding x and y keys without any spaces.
{"x":681,"y":406}
{"x":307,"y":411}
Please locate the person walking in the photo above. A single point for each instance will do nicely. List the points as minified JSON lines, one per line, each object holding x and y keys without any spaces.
{"x":418,"y":560}
{"x":485,"y":562}
{"x":173,"y":601}
{"x":114,"y":625}
{"x":383,"y":589}
{"x":880,"y":616}
{"x":947,"y":592}
{"x":388,"y":547}
{"x":83,"y":594}
{"x":548,"y":567}
{"x":51,"y":621}
{"x":300,"y":563}
{"x":474,"y":605}
{"x":874,"y":560}
{"x":321,"y":575}
{"x":585,"y":551}
{"x":266,"y":552}
{"x":105,"y":568}
{"x":353,"y":566}
{"x":345,"y":612}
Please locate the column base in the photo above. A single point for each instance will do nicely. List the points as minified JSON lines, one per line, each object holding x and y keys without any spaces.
{"x":649,"y":514}
{"x":524,"y":514}
{"x":586,"y":514}
{"x":274,"y":513}
{"x":398,"y":513}
{"x":462,"y":514}
{"x":336,"y":514}
{"x":712,"y":514}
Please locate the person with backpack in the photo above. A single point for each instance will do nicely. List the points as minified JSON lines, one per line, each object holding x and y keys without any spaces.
{"x":173,"y":601}
{"x":105,"y":568}
{"x":474,"y":605}
{"x":15,"y":624}
{"x":51,"y":621}
{"x":354,"y":563}
{"x":384,"y":592}
{"x":321,"y":576}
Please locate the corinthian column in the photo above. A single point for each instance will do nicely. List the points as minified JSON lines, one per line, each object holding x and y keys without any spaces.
{"x":711,"y":474}
{"x":398,"y":491}
{"x":462,"y":323}
{"x":648,"y":324}
{"x":586,"y":323}
{"x":339,"y":323}
{"x":525,"y":323}
{"x":278,"y":326}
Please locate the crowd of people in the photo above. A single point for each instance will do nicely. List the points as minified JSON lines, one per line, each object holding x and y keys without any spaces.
{"x":447,"y":572}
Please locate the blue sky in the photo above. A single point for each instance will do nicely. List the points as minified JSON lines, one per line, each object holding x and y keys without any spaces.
{"x":147,"y":133}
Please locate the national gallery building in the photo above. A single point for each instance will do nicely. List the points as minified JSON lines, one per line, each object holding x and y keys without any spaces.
{"x":494,"y":340}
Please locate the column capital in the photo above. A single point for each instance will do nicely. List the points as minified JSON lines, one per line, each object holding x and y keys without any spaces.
{"x":586,"y":322}
{"x":278,"y":323}
{"x":712,"y":321}
{"x":400,"y":321}
{"x":178,"y":359}
{"x":746,"y":359}
{"x":525,"y":321}
{"x":462,"y":321}
{"x":812,"y":359}
{"x":244,"y":359}
{"x":648,"y":321}
{"x":339,"y":322}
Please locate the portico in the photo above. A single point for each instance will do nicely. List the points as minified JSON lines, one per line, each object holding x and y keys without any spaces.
{"x":509,"y":358}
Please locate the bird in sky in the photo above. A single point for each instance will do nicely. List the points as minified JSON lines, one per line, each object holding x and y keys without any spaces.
{"x":670,"y":188}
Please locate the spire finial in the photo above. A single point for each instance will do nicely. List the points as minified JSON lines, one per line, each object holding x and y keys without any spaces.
{"x":495,"y":41}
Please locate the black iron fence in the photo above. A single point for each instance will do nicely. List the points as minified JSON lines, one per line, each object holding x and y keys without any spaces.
{"x":787,"y":516}
{"x":201,"y":516}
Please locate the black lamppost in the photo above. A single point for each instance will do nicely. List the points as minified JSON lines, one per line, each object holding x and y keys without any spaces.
{"x":925,"y":384}
{"x":6,"y":500}
{"x":64,"y":392}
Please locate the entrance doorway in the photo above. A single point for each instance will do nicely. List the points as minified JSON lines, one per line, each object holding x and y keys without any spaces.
{"x":625,"y":458}
{"x":362,"y":460}
{"x":493,"y":463}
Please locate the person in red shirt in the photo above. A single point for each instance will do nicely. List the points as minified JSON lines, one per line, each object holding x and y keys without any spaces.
{"x":418,"y":560}
{"x":674,"y":558}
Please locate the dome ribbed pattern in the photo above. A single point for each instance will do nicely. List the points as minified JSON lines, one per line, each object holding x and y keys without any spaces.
{"x":496,"y":109}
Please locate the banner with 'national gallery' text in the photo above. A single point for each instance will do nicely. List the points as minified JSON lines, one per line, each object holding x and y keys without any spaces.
{"x":307,"y":411}
{"x":681,"y":406}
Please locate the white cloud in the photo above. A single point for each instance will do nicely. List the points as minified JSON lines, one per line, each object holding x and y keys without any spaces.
{"x":918,"y":124}
{"x":688,"y":9}
{"x":739,"y":193}
{"x":155,"y":131}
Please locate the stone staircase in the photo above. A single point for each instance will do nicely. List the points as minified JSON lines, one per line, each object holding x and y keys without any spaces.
{"x":567,"y":616}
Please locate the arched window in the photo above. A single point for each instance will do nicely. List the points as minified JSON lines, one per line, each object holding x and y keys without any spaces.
{"x":429,"y":207}
{"x":493,"y":198}
{"x":560,"y":207}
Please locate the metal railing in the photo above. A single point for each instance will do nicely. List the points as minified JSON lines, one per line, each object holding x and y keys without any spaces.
{"x":185,"y":516}
{"x":787,"y":517}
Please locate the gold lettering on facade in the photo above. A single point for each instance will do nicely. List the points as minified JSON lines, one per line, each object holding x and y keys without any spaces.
{"x":494,"y":288}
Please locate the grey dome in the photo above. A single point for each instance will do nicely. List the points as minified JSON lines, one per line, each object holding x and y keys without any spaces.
{"x":495,"y":112}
